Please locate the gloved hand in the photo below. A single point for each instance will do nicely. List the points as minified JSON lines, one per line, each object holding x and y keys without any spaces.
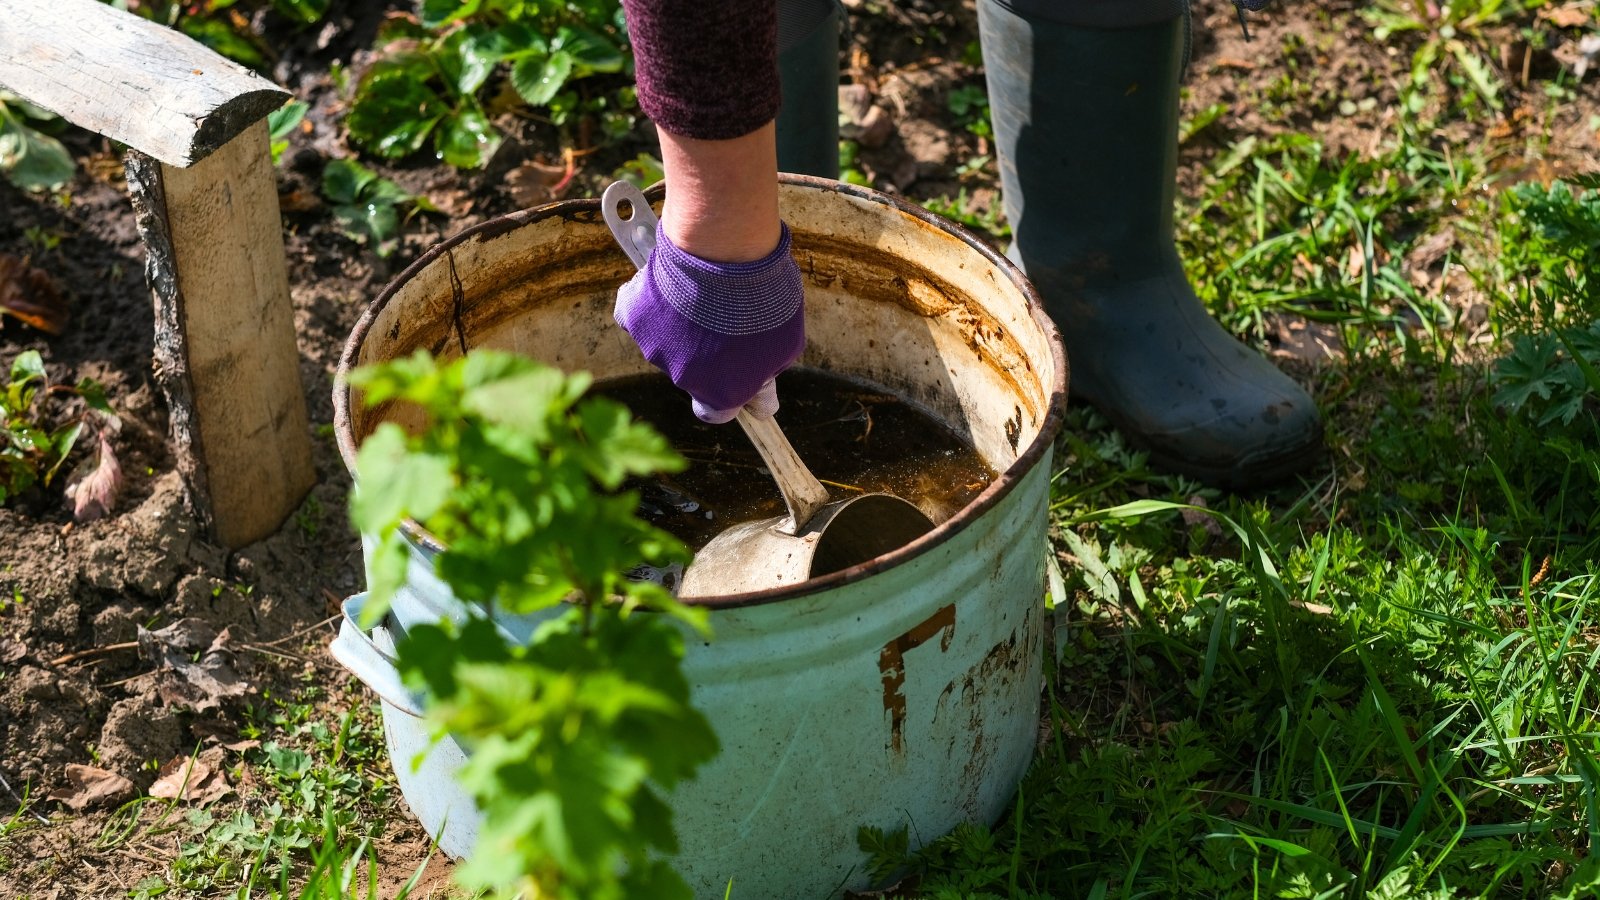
{"x":721,"y":331}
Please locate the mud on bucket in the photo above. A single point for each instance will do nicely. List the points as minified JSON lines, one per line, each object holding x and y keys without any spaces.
{"x":903,"y":691}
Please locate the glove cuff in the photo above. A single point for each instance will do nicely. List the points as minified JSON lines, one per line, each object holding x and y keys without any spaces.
{"x":728,"y":298}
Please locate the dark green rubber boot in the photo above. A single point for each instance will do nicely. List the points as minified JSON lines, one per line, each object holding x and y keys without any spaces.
{"x":808,"y":68}
{"x":1084,"y":95}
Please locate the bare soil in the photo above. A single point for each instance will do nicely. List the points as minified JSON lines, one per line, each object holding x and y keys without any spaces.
{"x":75,"y":688}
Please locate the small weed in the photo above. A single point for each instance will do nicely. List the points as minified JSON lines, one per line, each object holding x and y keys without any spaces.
{"x":309,"y":517}
{"x":225,"y":25}
{"x":959,"y":208}
{"x":970,"y":105}
{"x":43,"y":240}
{"x":36,"y":436}
{"x":369,"y":208}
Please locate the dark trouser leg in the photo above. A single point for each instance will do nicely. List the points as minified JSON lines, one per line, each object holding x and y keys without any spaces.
{"x":1084,"y":95}
{"x":808,"y":65}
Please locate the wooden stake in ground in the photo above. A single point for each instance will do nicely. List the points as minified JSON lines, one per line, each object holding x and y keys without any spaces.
{"x":203,"y":187}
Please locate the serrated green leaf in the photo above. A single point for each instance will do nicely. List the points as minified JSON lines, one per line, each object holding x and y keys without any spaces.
{"x":539,"y":78}
{"x":343,"y":180}
{"x":619,"y":448}
{"x":395,"y":109}
{"x":591,"y":51}
{"x":467,"y":139}
{"x":394,"y":483}
{"x":438,"y":13}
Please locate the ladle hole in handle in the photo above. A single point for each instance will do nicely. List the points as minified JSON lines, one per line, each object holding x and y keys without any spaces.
{"x":635,"y":232}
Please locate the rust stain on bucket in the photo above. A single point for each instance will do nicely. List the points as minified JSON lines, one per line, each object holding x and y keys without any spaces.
{"x":892,"y":666}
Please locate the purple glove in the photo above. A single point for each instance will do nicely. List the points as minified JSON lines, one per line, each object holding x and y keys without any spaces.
{"x":721,"y":331}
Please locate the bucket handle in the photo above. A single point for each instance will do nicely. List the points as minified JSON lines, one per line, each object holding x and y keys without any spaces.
{"x":374,"y":665}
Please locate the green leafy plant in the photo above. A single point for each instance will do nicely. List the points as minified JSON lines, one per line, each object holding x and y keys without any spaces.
{"x":1454,"y":51}
{"x":281,"y":123}
{"x":29,"y":158}
{"x":34,"y":438}
{"x":959,"y":209}
{"x":970,"y":104}
{"x":1555,"y":375}
{"x":226,"y":25}
{"x":369,"y":208}
{"x":427,"y":83}
{"x":574,"y":735}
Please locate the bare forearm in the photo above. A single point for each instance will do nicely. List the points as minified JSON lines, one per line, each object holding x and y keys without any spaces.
{"x":722,"y":196}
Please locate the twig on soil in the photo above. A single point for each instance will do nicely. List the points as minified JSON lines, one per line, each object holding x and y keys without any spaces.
{"x":21,"y":802}
{"x":141,"y":857}
{"x":93,"y":651}
{"x":302,"y":632}
{"x":267,"y":651}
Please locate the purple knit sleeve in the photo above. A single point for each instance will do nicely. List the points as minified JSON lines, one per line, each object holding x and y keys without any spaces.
{"x":706,"y":69}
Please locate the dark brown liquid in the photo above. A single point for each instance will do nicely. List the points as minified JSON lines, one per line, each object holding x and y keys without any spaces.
{"x":854,"y":439}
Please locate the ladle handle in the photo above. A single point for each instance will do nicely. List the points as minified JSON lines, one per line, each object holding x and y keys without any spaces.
{"x":802,"y":493}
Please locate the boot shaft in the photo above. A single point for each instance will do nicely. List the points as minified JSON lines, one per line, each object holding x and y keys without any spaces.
{"x":808,"y":69}
{"x":1086,"y":131}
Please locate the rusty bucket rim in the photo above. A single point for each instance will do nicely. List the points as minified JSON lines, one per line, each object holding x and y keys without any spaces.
{"x":997,"y":490}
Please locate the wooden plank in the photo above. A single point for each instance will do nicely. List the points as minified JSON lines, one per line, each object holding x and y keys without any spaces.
{"x":225,"y":343}
{"x":134,"y":81}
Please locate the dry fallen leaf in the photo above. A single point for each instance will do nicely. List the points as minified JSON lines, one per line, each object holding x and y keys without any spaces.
{"x":535,"y":182}
{"x":1566,"y":16}
{"x":199,"y":780}
{"x":197,"y":668}
{"x":88,"y":786}
{"x":299,"y":200}
{"x":31,"y":295}
{"x":95,"y":484}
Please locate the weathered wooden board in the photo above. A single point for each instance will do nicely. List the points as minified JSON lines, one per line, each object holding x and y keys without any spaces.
{"x":134,"y":81}
{"x":225,"y":344}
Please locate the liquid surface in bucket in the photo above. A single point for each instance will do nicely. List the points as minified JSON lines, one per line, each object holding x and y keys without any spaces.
{"x":855,"y":439}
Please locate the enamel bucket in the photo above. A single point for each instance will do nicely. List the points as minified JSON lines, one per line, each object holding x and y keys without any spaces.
{"x":901,"y":692}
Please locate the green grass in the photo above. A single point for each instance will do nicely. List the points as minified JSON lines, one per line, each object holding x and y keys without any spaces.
{"x":319,"y":794}
{"x":1378,"y":682}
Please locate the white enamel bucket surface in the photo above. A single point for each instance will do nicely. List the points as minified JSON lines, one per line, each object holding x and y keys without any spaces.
{"x":901,"y":692}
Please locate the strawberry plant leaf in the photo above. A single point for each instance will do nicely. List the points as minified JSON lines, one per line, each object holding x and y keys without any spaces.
{"x":439,"y":13}
{"x":539,"y":79}
{"x":343,"y":180}
{"x":94,"y":396}
{"x":591,"y":51}
{"x":394,"y":109}
{"x":467,"y":139}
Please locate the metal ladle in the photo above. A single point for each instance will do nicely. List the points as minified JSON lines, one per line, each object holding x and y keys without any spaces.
{"x":816,"y":537}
